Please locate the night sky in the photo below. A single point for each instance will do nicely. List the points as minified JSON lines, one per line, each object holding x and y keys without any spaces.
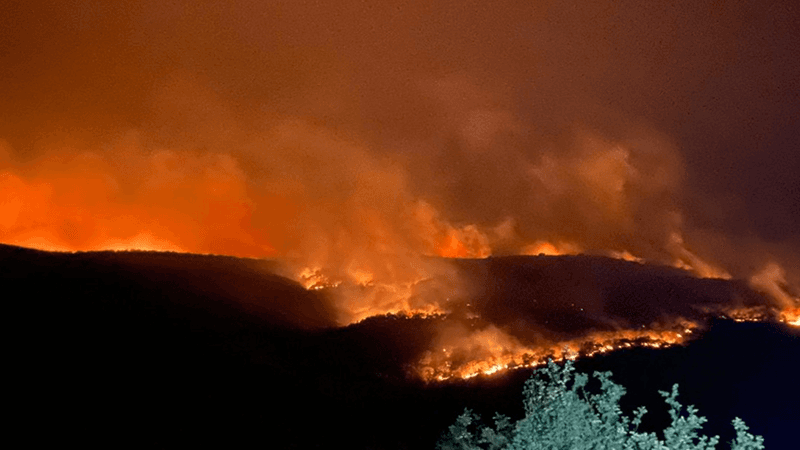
{"x":356,"y":137}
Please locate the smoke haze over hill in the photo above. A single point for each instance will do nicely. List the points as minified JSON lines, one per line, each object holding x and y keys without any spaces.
{"x":359,"y":138}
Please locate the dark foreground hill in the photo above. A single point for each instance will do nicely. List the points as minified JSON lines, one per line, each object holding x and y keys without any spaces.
{"x":169,"y":350}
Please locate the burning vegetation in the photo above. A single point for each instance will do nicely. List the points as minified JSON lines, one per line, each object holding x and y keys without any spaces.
{"x":498,"y":314}
{"x":490,"y":351}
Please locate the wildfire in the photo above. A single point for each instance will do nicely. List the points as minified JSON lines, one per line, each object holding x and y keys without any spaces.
{"x":551,"y":249}
{"x":397,"y":300}
{"x":313,"y":279}
{"x":85,"y":201}
{"x":264,"y":139}
{"x":752,"y":314}
{"x":625,"y":255}
{"x":466,"y":242}
{"x":358,"y":296}
{"x":490,"y":351}
{"x":467,"y":346}
{"x":791,"y":316}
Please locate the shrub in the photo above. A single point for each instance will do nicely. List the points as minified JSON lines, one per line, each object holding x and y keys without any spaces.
{"x":561,"y":414}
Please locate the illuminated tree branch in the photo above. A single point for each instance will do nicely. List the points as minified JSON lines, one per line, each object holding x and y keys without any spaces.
{"x":561,"y":414}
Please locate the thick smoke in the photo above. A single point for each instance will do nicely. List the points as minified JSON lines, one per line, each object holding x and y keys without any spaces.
{"x":354,"y":141}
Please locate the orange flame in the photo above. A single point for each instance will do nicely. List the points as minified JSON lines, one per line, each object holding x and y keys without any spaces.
{"x":791,"y":316}
{"x":465,"y":355}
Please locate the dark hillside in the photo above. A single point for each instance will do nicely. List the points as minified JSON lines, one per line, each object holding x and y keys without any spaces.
{"x":171,"y":350}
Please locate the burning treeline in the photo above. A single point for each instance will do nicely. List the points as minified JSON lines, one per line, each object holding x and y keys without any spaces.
{"x":515,"y":312}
